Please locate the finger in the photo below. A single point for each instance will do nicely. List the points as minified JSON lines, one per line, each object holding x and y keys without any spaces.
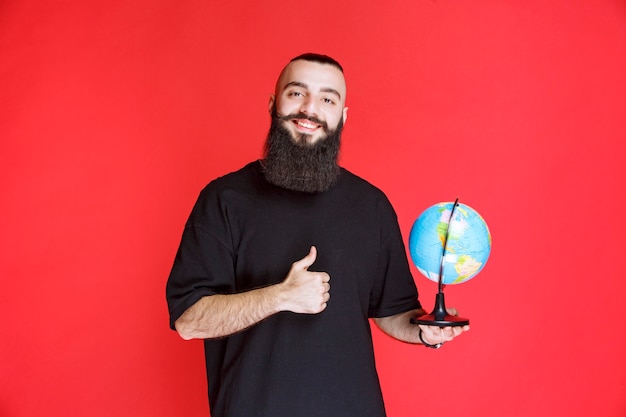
{"x":452,"y":311}
{"x":308,"y":260}
{"x":455,"y":331}
{"x":431,"y":334}
{"x":431,"y":331}
{"x":445,"y":334}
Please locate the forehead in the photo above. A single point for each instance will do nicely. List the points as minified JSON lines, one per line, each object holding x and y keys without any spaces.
{"x":315,"y":76}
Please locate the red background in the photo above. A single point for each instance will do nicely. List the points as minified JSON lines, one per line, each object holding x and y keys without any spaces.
{"x":115,"y":114}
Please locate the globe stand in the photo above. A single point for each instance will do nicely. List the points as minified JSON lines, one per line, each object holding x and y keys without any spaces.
{"x":439,"y":316}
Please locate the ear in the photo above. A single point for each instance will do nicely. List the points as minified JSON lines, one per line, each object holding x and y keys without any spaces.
{"x":345,"y":115}
{"x":270,"y":105}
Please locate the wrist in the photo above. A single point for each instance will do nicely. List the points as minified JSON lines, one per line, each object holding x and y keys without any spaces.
{"x":276,"y":298}
{"x":425,"y":343}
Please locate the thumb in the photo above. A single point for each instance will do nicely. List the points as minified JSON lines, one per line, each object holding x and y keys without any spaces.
{"x":308,"y":260}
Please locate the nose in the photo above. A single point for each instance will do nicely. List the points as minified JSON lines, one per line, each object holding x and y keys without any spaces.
{"x":309,"y":106}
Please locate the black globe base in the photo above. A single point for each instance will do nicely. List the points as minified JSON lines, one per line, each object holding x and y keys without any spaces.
{"x":446,"y":321}
{"x":439,"y":316}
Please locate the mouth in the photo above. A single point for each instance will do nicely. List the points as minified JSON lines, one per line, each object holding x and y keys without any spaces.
{"x":305,"y":125}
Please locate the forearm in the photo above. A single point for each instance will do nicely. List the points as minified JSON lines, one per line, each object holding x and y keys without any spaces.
{"x":399,"y":326}
{"x":219,"y":315}
{"x":215,"y":316}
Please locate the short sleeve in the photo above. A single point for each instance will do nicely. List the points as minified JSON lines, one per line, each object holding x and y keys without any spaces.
{"x":203,"y":264}
{"x":394,"y":291}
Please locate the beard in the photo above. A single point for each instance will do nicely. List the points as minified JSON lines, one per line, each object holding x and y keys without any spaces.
{"x":296,"y":163}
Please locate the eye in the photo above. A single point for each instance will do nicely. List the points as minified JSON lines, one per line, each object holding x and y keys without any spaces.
{"x":327,"y":100}
{"x":295,"y":94}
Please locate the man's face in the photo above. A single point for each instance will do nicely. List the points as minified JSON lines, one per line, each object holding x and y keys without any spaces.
{"x":310,"y":99}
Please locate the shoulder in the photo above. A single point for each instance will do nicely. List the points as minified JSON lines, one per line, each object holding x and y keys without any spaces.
{"x":217,"y":194}
{"x":241,"y":181}
{"x":238,"y":178}
{"x":361,"y":187}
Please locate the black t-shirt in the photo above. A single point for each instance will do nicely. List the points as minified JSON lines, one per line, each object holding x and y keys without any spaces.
{"x":244,"y":233}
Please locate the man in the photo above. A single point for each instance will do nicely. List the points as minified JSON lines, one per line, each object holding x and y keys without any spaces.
{"x":283,"y":262}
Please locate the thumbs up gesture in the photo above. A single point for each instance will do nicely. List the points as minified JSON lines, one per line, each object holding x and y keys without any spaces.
{"x":305,"y":291}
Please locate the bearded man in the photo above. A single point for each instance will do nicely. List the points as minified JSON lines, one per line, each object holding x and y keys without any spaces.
{"x":276,"y":343}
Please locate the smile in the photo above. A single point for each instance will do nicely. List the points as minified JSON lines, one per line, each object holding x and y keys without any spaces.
{"x":306,"y":124}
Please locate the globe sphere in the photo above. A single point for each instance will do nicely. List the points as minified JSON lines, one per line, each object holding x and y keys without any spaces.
{"x":467,"y":247}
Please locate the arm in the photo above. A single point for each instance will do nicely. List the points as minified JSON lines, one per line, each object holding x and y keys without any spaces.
{"x":215,"y":316}
{"x":399,"y":327}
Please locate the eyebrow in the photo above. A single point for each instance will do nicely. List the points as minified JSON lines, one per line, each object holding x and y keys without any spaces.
{"x":304,"y":85}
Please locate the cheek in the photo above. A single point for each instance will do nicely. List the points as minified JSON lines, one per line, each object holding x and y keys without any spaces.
{"x":284,"y":108}
{"x":333,"y":120}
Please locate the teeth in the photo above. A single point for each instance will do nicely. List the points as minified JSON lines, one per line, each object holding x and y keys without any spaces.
{"x":306,"y":125}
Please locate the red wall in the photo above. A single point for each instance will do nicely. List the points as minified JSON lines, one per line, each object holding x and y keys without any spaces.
{"x":113,"y":115}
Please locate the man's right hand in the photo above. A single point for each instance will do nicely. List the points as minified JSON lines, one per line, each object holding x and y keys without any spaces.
{"x":305,"y":291}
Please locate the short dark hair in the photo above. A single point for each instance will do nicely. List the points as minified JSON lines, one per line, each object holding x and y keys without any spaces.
{"x":319,"y":58}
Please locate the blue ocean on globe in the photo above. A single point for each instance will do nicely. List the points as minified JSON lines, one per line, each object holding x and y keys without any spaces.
{"x":468,"y":244}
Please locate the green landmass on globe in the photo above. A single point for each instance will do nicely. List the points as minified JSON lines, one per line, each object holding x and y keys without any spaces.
{"x":467,"y":249}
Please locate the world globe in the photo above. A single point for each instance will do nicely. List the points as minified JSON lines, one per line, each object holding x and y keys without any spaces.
{"x":467,"y":246}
